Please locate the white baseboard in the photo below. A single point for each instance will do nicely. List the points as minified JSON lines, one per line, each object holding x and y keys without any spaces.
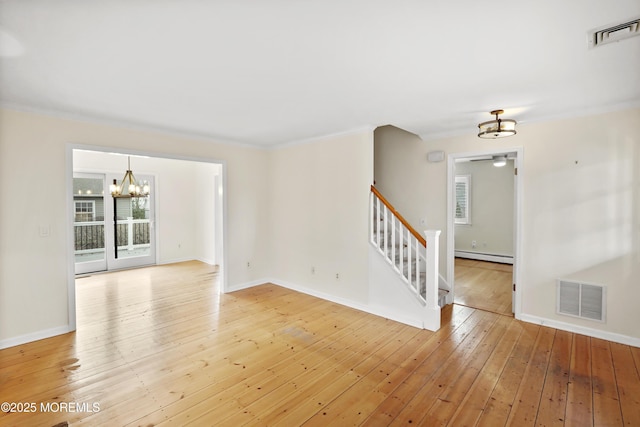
{"x":251,"y":284}
{"x":174,"y":261}
{"x":34,"y":336}
{"x":503,"y":259}
{"x":582,"y":330}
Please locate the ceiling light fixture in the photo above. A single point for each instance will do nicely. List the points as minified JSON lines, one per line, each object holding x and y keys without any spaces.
{"x":499,"y":161}
{"x":130,"y":189}
{"x":497,"y":128}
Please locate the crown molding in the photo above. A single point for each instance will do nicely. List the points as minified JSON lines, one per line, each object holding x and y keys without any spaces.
{"x":583,"y":112}
{"x":353,"y":131}
{"x":125,"y":124}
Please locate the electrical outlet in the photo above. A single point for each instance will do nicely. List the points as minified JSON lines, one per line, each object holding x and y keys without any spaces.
{"x":474,"y":243}
{"x":248,"y":264}
{"x":337,"y":275}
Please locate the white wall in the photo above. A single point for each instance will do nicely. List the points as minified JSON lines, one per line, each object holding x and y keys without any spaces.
{"x":491,"y":201}
{"x":581,"y":208}
{"x":207,"y":214}
{"x":287,"y":210}
{"x":399,"y":173}
{"x":319,"y":215}
{"x":305,"y":206}
{"x":184,"y":196}
{"x":34,"y":272}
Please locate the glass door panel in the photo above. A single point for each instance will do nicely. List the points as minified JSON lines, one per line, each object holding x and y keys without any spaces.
{"x":133,"y":227}
{"x":132,"y":230}
{"x":89,"y":223}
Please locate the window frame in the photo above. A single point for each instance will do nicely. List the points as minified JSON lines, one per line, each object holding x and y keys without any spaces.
{"x":91,"y":203}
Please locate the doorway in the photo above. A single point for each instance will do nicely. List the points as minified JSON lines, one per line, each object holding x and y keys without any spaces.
{"x":483,"y":223}
{"x":184,"y":212}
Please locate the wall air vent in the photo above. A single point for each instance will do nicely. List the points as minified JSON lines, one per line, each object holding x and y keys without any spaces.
{"x":581,"y":300}
{"x":613,"y":33}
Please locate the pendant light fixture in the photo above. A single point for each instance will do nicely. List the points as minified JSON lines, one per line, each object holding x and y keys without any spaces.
{"x":129,"y":187}
{"x":497,"y":128}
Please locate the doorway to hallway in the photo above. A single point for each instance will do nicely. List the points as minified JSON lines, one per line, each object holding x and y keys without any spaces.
{"x":484,"y":214}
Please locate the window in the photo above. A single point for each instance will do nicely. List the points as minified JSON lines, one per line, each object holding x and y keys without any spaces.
{"x":462,"y":199}
{"x":85,"y":210}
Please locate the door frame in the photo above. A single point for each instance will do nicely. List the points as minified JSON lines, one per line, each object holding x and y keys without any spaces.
{"x":220,"y":225}
{"x":517,"y":219}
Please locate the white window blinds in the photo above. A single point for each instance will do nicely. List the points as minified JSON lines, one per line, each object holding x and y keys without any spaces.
{"x":462,"y":200}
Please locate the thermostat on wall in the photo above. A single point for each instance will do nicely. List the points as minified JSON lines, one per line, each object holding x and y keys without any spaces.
{"x":435,"y":156}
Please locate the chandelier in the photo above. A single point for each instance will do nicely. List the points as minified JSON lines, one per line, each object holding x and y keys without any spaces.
{"x":129,"y":187}
{"x":497,"y":128}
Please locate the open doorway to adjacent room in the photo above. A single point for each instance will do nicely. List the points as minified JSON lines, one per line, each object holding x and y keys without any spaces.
{"x":181,"y":218}
{"x":482,"y":260}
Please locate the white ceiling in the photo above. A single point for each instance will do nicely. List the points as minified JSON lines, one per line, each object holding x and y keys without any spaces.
{"x":269,"y":72}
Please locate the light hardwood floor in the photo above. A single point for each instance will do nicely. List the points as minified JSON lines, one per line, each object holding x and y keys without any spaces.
{"x":483,"y":285}
{"x":161,"y":346}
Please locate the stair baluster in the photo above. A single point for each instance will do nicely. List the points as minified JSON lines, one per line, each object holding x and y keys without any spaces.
{"x":405,"y":249}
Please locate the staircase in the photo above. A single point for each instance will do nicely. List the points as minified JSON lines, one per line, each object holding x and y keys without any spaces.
{"x":412,"y":256}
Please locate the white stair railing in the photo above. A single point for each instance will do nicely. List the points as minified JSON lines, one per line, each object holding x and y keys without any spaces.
{"x":412,"y":256}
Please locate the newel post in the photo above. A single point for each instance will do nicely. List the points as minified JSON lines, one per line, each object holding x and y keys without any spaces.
{"x":433,"y":239}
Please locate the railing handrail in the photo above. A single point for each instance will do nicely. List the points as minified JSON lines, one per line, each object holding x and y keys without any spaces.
{"x":88,"y":223}
{"x":404,"y":222}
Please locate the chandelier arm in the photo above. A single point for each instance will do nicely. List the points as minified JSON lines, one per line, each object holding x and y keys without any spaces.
{"x":133,"y":188}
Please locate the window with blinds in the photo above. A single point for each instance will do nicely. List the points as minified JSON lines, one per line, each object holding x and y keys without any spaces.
{"x":462,"y":215}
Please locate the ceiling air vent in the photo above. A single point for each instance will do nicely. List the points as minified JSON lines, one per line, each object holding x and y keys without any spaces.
{"x":613,"y":33}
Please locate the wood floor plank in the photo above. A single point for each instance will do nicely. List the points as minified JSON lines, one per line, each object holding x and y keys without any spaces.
{"x":606,"y":403}
{"x":527,"y":400}
{"x":483,"y":285}
{"x":279,"y":402}
{"x":628,"y":383}
{"x":473,"y":404}
{"x":453,"y":393}
{"x":432,"y":366}
{"x":553,"y":401}
{"x":579,"y":410}
{"x":500,"y":402}
{"x":162,"y":346}
{"x":248,"y":372}
{"x":425,"y":344}
{"x":355,"y":404}
{"x":341,"y":378}
{"x":451,"y":368}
